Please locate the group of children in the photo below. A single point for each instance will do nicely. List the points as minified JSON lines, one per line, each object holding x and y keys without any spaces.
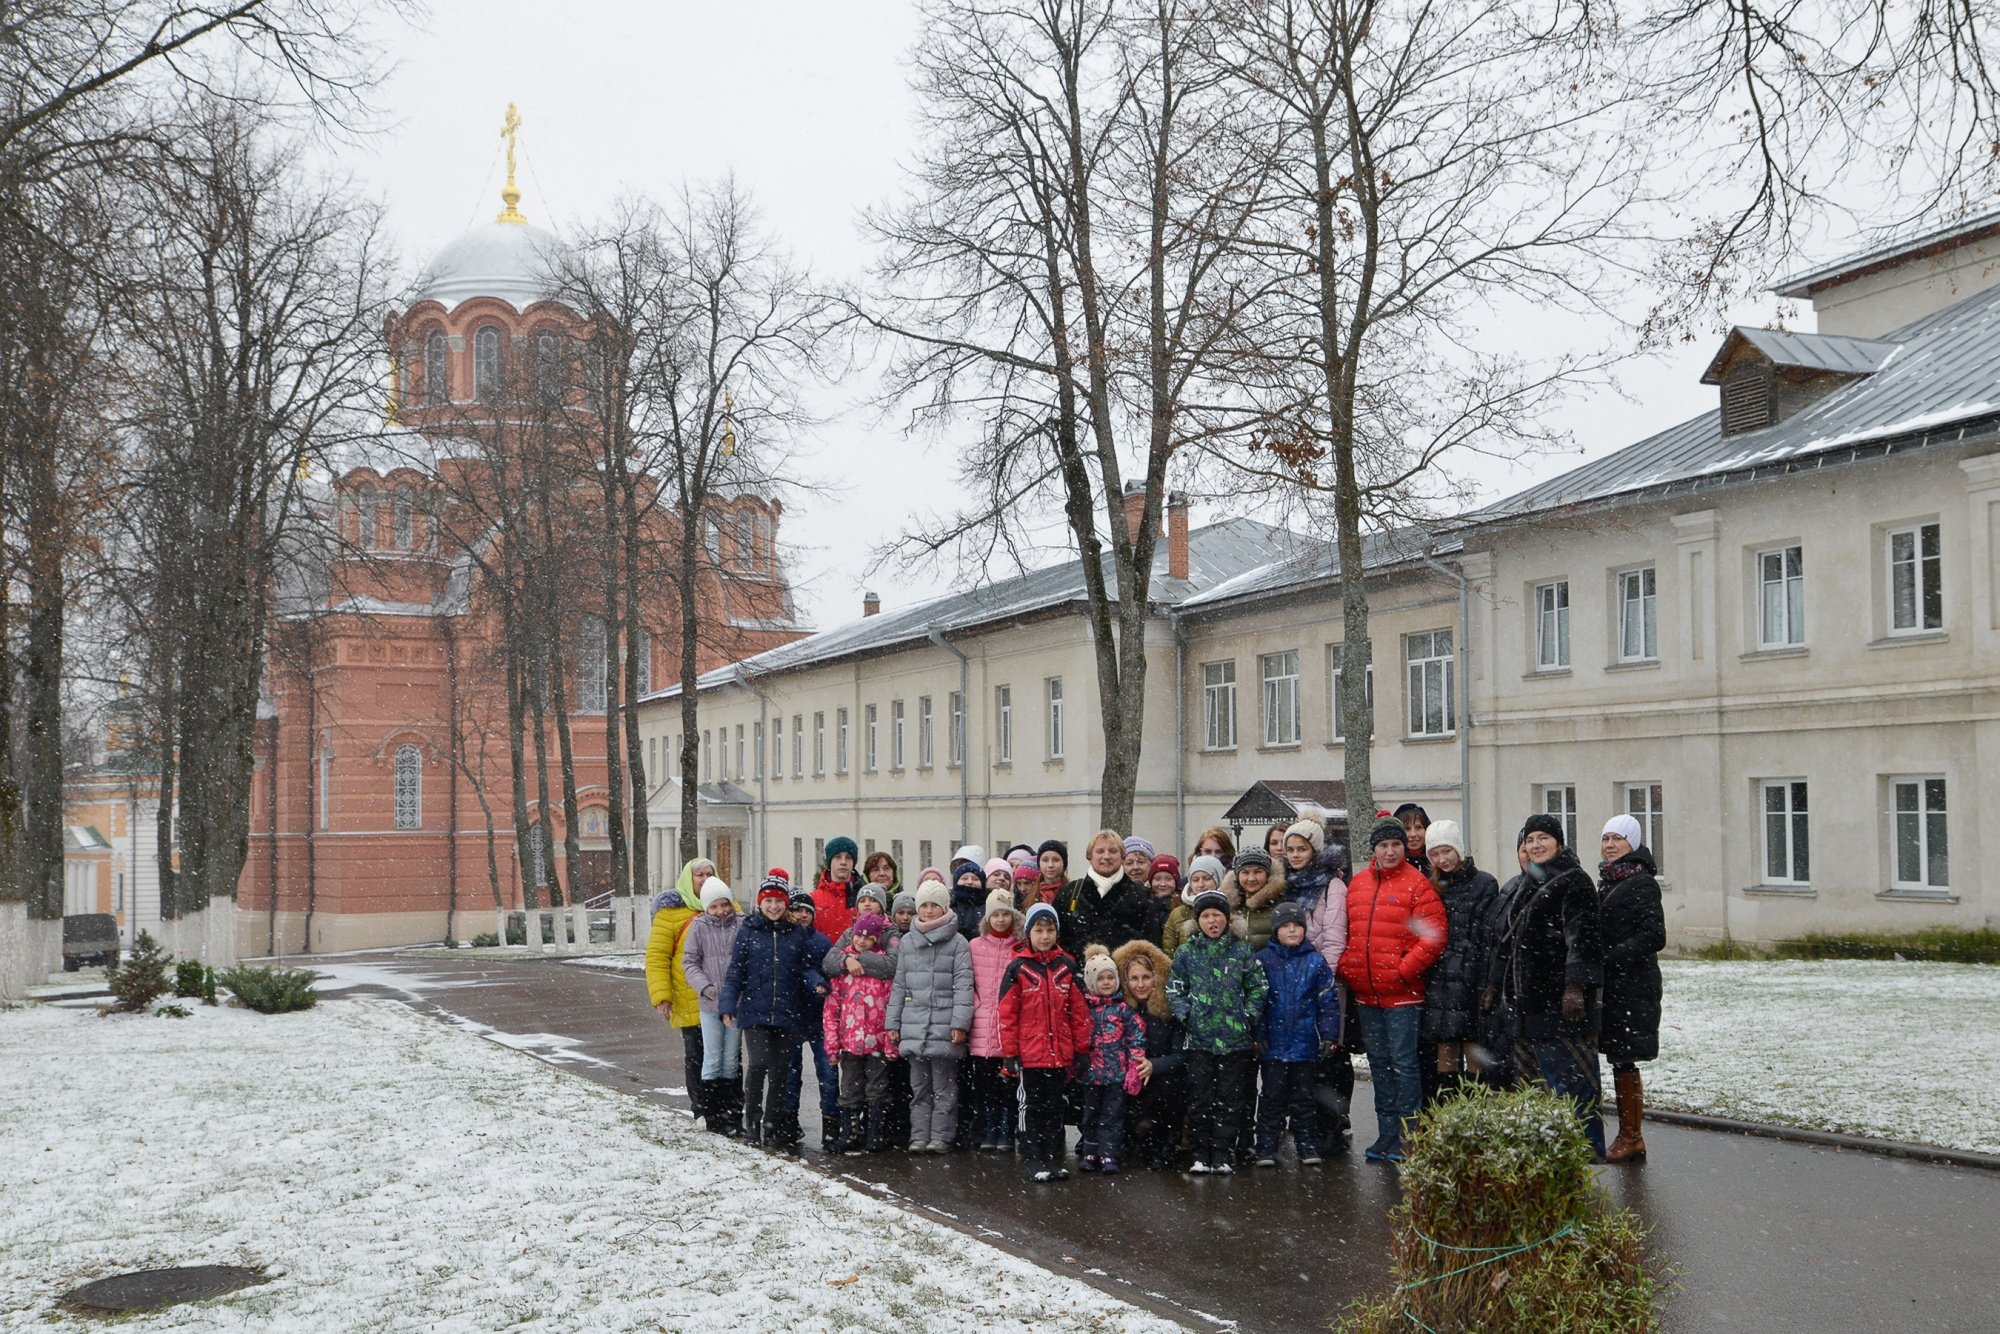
{"x":952,"y":1022}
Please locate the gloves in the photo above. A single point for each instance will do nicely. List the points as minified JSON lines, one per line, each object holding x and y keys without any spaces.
{"x":1010,"y":1068}
{"x":1134,"y":1081}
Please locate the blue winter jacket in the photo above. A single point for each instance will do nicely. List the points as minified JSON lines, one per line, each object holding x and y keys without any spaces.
{"x":812,"y":1001}
{"x":1303,"y":1014}
{"x":771,"y":971}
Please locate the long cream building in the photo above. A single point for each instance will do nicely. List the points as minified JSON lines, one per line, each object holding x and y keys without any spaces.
{"x":1771,"y":631}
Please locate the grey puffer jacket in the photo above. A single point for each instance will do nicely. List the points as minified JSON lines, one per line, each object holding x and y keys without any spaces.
{"x":879,"y":962}
{"x":932,"y":994}
{"x":705,"y":956}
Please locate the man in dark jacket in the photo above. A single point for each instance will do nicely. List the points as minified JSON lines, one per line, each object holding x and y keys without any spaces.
{"x":1104,"y":906}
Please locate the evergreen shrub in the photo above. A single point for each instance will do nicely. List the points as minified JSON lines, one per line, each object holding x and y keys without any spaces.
{"x":1502,"y":1228}
{"x":485,"y":940}
{"x":271,"y":990}
{"x":187,"y":978}
{"x":141,"y":979}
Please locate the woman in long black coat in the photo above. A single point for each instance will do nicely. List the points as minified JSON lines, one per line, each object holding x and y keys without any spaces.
{"x":1634,"y":929}
{"x":1449,"y":1032}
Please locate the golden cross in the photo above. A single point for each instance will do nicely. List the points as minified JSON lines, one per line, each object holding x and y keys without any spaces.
{"x":511,"y":196}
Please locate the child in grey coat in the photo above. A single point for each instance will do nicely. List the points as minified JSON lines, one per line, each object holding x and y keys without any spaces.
{"x":930,"y":1017}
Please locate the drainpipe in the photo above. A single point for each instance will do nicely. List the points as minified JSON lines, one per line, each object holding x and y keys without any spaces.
{"x":1464,"y":695}
{"x":964,"y":731}
{"x":1180,"y":730}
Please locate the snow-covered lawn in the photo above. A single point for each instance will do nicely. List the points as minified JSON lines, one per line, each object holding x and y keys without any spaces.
{"x":398,"y":1175}
{"x":1907,"y":1051}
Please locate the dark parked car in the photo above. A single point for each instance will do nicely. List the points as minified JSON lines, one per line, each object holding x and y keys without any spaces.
{"x":89,"y":938}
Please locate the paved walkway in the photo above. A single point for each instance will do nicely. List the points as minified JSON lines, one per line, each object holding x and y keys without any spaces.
{"x":1764,"y":1235}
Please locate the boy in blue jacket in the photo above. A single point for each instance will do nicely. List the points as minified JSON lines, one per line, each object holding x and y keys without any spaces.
{"x":1301,"y":1023}
{"x":772,"y":970}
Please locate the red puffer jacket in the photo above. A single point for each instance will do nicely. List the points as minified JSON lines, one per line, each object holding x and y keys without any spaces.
{"x":833,"y":905}
{"x":1395,"y":932}
{"x":1044,"y":1020}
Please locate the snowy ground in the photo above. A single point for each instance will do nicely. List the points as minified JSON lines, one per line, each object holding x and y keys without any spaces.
{"x":1907,"y":1051}
{"x":397,"y":1175}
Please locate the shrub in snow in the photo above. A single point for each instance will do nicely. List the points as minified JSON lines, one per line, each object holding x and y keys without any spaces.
{"x":1502,"y":1228}
{"x":271,"y":990}
{"x":173,"y":1012}
{"x":141,"y":979}
{"x":187,"y":978}
{"x":208,"y":986}
{"x":485,"y":940}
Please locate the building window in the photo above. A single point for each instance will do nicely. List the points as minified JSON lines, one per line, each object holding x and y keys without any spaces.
{"x":486,"y":364}
{"x":538,"y":857}
{"x":1281,"y":698}
{"x":1781,"y":598}
{"x":1055,"y":698}
{"x":593,"y":378}
{"x":707,"y":756}
{"x":1787,"y":842}
{"x":1645,"y":803}
{"x":746,"y":541}
{"x":1552,"y":626}
{"x":778,"y":747}
{"x":1428,"y":655}
{"x":896,"y":728}
{"x":652,"y":755}
{"x":798,"y":746}
{"x":819,"y":854}
{"x":409,"y":788}
{"x":956,"y":703}
{"x":365,"y":534}
{"x":437,"y":370}
{"x":819,"y":745}
{"x":740,"y":771}
{"x":404,"y":508}
{"x":1638,"y":616}
{"x":840,"y":741}
{"x":798,"y":854}
{"x":757,"y":747}
{"x":1922,"y":860}
{"x":591,"y":693}
{"x":326,"y":785}
{"x":1218,"y":705}
{"x":548,"y":368}
{"x":645,"y":682}
{"x":713,"y":536}
{"x":1559,"y":800}
{"x":1340,"y":698}
{"x":1916,"y":580}
{"x":1003,"y":720}
{"x":868,"y":738}
{"x":926,"y":751}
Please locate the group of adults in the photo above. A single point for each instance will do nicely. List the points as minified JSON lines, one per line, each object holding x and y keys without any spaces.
{"x":1448,"y":976}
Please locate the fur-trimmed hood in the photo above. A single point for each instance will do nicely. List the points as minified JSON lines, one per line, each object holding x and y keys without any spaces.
{"x":1156,"y":1004}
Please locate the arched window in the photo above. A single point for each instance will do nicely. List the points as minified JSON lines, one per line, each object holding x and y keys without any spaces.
{"x":590,"y":678}
{"x":593,"y":378}
{"x":486,"y":364}
{"x":548,"y":367}
{"x":538,"y":861}
{"x":437,"y":371}
{"x":406,"y":519}
{"x":366,"y":535}
{"x":409,"y":788}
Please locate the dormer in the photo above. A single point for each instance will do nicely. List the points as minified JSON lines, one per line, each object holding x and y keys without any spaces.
{"x":1767,"y":375}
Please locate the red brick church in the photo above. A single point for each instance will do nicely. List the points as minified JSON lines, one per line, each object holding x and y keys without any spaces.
{"x":375,"y":830}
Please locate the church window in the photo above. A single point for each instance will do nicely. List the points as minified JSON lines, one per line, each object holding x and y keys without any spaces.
{"x":593,"y":378}
{"x":645,"y":682}
{"x":486,"y":364}
{"x":538,"y":861}
{"x":409,"y":788}
{"x":746,"y":540}
{"x":437,"y":371}
{"x":406,"y":518}
{"x":366,"y":535}
{"x":548,"y":368}
{"x":590,"y":679}
{"x":325,"y":792}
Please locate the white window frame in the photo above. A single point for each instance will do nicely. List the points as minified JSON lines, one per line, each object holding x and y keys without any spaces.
{"x":1925,"y":576}
{"x":592,"y":686}
{"x":1435,"y":663}
{"x":409,"y":764}
{"x":707,"y":756}
{"x":1003,"y":723}
{"x":1791,"y":587}
{"x":437,"y":369}
{"x":326,"y":784}
{"x":1053,"y":691}
{"x":819,"y":744}
{"x":1552,"y":626}
{"x":840,"y":738}
{"x":489,"y":362}
{"x":1218,"y":704}
{"x":778,"y":748}
{"x":869,"y":752}
{"x":1639,"y":596}
{"x":644,"y":685}
{"x":896,"y":735}
{"x":1279,"y":675}
{"x":926,"y":735}
{"x":1784,"y":810}
{"x":1646,"y":802}
{"x":798,"y":745}
{"x":740,"y":771}
{"x":757,"y":748}
{"x":1337,"y":729}
{"x":1559,"y":800}
{"x":1920,"y":815}
{"x":955,"y":702}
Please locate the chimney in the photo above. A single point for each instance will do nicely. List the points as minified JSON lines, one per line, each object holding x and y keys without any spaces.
{"x":1177,"y":535}
{"x":871,"y":605}
{"x":1135,"y":508}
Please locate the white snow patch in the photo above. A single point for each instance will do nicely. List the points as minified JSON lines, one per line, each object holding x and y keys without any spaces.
{"x":613,"y":963}
{"x":394,"y":1176}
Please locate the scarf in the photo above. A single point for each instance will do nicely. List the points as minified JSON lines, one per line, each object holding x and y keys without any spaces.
{"x":1104,"y":882}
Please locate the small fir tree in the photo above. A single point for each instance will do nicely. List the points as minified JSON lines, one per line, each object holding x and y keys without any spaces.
{"x":141,"y":979}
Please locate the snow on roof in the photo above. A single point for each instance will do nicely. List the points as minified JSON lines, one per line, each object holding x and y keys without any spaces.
{"x":511,"y":260}
{"x":1940,"y":377}
{"x":1807,"y":351}
{"x":1315,"y":560}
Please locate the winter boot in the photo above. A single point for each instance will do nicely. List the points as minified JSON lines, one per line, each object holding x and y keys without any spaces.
{"x":878,"y":1138}
{"x":833,"y":1133}
{"x":1630,"y":1146}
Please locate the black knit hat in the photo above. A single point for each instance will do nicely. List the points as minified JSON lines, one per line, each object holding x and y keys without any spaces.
{"x":802,"y":898}
{"x":1210,"y":898}
{"x":1288,"y":914}
{"x":1057,"y":846}
{"x":1252,"y":857}
{"x":1543,"y":824}
{"x":1388,"y":829}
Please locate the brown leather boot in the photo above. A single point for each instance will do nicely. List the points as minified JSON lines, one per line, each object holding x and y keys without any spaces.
{"x":1630,"y":1146}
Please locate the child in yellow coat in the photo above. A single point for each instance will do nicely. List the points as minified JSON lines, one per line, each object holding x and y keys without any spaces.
{"x":668,"y":989}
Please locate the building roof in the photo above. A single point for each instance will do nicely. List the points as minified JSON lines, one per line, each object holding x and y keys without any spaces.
{"x":1314,"y":560}
{"x":514,"y":261}
{"x":1805,"y":351}
{"x":1939,"y":383}
{"x":1854,"y":265}
{"x":1216,"y":554}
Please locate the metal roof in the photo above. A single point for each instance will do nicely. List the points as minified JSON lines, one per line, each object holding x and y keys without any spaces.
{"x":1807,"y":351}
{"x":1939,"y":380}
{"x":1802,"y":284}
{"x":1316,"y":560}
{"x":1216,"y":554}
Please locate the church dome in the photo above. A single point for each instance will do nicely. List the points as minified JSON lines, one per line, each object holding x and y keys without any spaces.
{"x":514,"y":261}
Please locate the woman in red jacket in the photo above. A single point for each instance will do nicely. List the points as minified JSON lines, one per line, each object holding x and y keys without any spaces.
{"x":1395,"y":932}
{"x":1044,"y":1027}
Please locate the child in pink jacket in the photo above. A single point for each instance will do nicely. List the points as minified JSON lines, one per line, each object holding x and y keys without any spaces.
{"x":992,"y":951}
{"x":856,"y":1014}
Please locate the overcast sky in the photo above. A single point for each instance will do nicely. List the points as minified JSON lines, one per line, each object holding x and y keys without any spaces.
{"x":806,"y":104}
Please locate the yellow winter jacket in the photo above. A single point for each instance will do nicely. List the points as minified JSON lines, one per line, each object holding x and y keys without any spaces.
{"x":664,"y":978}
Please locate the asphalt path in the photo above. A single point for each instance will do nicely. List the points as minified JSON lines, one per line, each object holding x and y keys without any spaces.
{"x":1762,"y":1234}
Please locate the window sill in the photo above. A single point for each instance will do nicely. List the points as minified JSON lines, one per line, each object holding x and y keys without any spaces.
{"x":1217,"y":750}
{"x":1943,"y":896}
{"x":1780,"y":892}
{"x":1430,"y":740}
{"x":1547,"y":674}
{"x":1635,"y":665}
{"x":1055,"y":762}
{"x":1003,"y":764}
{"x":1766,"y":654}
{"x":1280,"y":748}
{"x":1915,"y":637}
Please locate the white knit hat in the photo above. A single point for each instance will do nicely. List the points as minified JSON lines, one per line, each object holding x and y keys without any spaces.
{"x":1445,"y":834}
{"x":933,"y":892}
{"x":1212,"y":865}
{"x":714,"y":891}
{"x":1625,"y":827}
{"x":1097,"y":961}
{"x":1311,"y":831}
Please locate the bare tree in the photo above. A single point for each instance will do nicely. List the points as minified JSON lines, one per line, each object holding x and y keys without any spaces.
{"x":1065,"y":276}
